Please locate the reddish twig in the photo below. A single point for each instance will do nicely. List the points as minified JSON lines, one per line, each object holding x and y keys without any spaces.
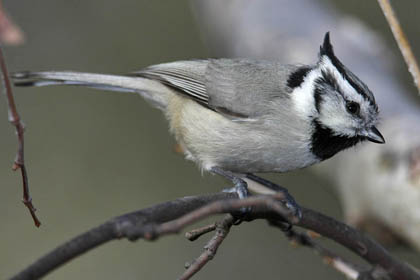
{"x":14,"y":119}
{"x":402,"y":41}
{"x":10,"y":33}
{"x":222,"y":230}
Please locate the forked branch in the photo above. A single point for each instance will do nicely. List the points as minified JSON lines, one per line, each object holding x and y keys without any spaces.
{"x":221,"y":229}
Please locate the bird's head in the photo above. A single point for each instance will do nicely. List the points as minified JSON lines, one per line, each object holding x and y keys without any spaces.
{"x":342,"y":108}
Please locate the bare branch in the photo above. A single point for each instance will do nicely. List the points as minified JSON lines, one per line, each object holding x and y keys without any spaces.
{"x":222,"y":230}
{"x":170,"y":217}
{"x":402,"y":41}
{"x":14,"y":119}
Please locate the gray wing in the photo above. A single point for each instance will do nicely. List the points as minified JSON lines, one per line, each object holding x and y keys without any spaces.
{"x":188,"y":77}
{"x":235,"y":87}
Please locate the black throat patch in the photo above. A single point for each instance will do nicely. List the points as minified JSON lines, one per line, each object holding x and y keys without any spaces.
{"x":325,"y":144}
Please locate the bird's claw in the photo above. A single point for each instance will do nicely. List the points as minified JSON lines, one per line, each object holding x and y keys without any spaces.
{"x":295,"y":210}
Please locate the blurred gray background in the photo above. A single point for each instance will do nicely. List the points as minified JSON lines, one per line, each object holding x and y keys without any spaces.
{"x":93,"y":155}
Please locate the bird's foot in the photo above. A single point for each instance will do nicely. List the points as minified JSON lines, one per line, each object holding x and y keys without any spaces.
{"x":288,"y":200}
{"x":241,"y":188}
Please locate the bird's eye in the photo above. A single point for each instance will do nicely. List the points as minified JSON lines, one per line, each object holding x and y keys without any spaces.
{"x":353,"y":107}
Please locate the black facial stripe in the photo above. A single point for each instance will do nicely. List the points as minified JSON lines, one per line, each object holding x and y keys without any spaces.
{"x":319,"y":91}
{"x":340,"y":67}
{"x":329,"y":79}
{"x":326,"y":79}
{"x":325,"y":144}
{"x":296,"y":78}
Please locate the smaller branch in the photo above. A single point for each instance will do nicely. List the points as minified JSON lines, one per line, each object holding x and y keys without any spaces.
{"x":402,"y":41}
{"x":194,"y":234}
{"x":349,"y":269}
{"x":222,"y":230}
{"x":360,"y":244}
{"x":14,"y":119}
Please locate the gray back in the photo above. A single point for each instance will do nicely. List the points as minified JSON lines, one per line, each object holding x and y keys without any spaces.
{"x":244,"y":86}
{"x":236,"y":87}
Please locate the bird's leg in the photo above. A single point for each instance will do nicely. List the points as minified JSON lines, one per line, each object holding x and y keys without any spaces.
{"x":288,"y":200}
{"x":240,"y":187}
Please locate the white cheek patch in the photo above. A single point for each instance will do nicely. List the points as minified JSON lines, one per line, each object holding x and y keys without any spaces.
{"x":338,"y":121}
{"x":303,"y":96}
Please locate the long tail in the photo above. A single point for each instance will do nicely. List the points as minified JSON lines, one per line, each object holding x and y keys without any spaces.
{"x":153,"y":91}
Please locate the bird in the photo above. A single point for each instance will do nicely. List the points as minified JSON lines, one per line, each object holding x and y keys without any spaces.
{"x":238,"y":116}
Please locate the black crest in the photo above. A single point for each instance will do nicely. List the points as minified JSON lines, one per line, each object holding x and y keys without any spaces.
{"x":327,"y":50}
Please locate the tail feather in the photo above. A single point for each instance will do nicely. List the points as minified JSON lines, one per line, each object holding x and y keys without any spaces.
{"x":151,"y":90}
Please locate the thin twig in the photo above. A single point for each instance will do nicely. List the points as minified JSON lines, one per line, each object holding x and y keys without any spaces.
{"x":402,"y":41}
{"x":14,"y":119}
{"x":194,"y":234}
{"x":210,"y":249}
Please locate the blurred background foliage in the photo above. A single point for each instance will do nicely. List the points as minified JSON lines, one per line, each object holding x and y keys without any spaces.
{"x":93,"y":155}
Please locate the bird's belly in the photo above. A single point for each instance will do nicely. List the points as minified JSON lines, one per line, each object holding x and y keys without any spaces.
{"x":278,"y":163}
{"x":211,"y":139}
